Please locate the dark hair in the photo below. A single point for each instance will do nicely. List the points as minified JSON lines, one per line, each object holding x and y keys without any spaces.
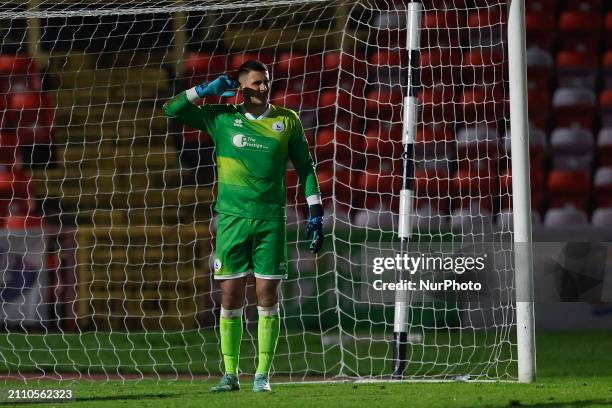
{"x":252,"y":65}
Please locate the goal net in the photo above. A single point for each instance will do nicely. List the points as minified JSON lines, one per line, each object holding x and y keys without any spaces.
{"x":107,"y":206}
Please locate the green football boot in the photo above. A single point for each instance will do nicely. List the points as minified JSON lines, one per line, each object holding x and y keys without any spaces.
{"x":229,"y":382}
{"x":261,"y":383}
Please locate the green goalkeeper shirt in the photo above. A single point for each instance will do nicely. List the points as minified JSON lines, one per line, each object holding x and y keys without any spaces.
{"x":251,"y":155}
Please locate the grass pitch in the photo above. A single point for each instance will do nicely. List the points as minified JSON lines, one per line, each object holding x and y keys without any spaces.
{"x":574,"y":370}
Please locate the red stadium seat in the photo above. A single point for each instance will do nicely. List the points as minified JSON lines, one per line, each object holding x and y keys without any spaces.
{"x":31,"y":115}
{"x":579,"y":31}
{"x":200,"y":67}
{"x":539,"y":66}
{"x":608,"y":30}
{"x":607,"y":68}
{"x":19,"y":73}
{"x":604,"y":147}
{"x":605,"y":105}
{"x":482,"y":66}
{"x":325,"y":178}
{"x":302,"y":72}
{"x":435,"y":143}
{"x":342,"y":108}
{"x":482,"y":105}
{"x":341,"y":146}
{"x":384,"y":144}
{"x":574,"y":107}
{"x":569,"y":187}
{"x":538,"y":107}
{"x":386,"y":67}
{"x":487,"y":25}
{"x":577,"y":69}
{"x":380,"y":187}
{"x":334,"y":177}
{"x":441,"y":28}
{"x":438,"y":66}
{"x":327,"y":107}
{"x":437,"y":104}
{"x":603,"y":187}
{"x":24,"y":221}
{"x":16,"y":193}
{"x":294,"y":100}
{"x":541,"y":29}
{"x":384,"y":105}
{"x":9,"y":150}
{"x":291,"y":64}
{"x":389,"y":58}
{"x":353,"y":71}
{"x":343,"y":186}
{"x":238,"y":59}
{"x":193,"y":138}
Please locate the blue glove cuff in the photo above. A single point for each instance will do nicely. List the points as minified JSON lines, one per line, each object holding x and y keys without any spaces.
{"x":315,"y":210}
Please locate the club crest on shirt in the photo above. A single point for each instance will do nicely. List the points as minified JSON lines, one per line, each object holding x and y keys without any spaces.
{"x":278,"y":126}
{"x":238,"y":123}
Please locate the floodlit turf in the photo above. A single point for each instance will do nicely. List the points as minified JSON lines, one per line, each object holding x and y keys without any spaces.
{"x":302,"y":354}
{"x":575,"y":370}
{"x":547,"y":392}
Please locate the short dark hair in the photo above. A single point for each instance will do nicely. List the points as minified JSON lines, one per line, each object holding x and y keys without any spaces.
{"x":252,"y":65}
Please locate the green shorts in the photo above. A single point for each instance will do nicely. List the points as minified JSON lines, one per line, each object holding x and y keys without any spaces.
{"x":246,"y":245}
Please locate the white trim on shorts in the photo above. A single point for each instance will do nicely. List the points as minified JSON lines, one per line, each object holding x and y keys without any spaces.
{"x":238,"y":275}
{"x":260,"y":276}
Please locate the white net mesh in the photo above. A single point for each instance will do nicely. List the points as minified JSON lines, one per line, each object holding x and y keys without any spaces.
{"x":126,"y":196}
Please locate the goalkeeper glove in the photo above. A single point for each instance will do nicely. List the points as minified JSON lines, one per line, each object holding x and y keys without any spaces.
{"x":222,"y":86}
{"x":314,"y":229}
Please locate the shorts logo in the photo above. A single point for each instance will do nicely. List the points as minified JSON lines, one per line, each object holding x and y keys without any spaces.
{"x":217,"y":264}
{"x":278,"y":126}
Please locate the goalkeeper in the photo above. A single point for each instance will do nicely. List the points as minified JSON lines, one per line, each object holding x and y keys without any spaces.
{"x":253,"y":142}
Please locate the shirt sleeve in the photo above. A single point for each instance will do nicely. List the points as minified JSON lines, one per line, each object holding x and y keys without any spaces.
{"x":302,"y":160}
{"x":183,"y":111}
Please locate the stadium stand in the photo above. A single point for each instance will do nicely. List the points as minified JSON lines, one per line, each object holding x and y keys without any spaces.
{"x":569,"y":94}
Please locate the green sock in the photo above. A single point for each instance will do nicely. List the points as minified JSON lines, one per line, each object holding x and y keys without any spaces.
{"x":231,"y":336}
{"x":268,"y":328}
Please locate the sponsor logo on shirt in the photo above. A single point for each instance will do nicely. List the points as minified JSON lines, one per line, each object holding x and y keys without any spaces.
{"x":247,"y":142}
{"x":278,"y":126}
